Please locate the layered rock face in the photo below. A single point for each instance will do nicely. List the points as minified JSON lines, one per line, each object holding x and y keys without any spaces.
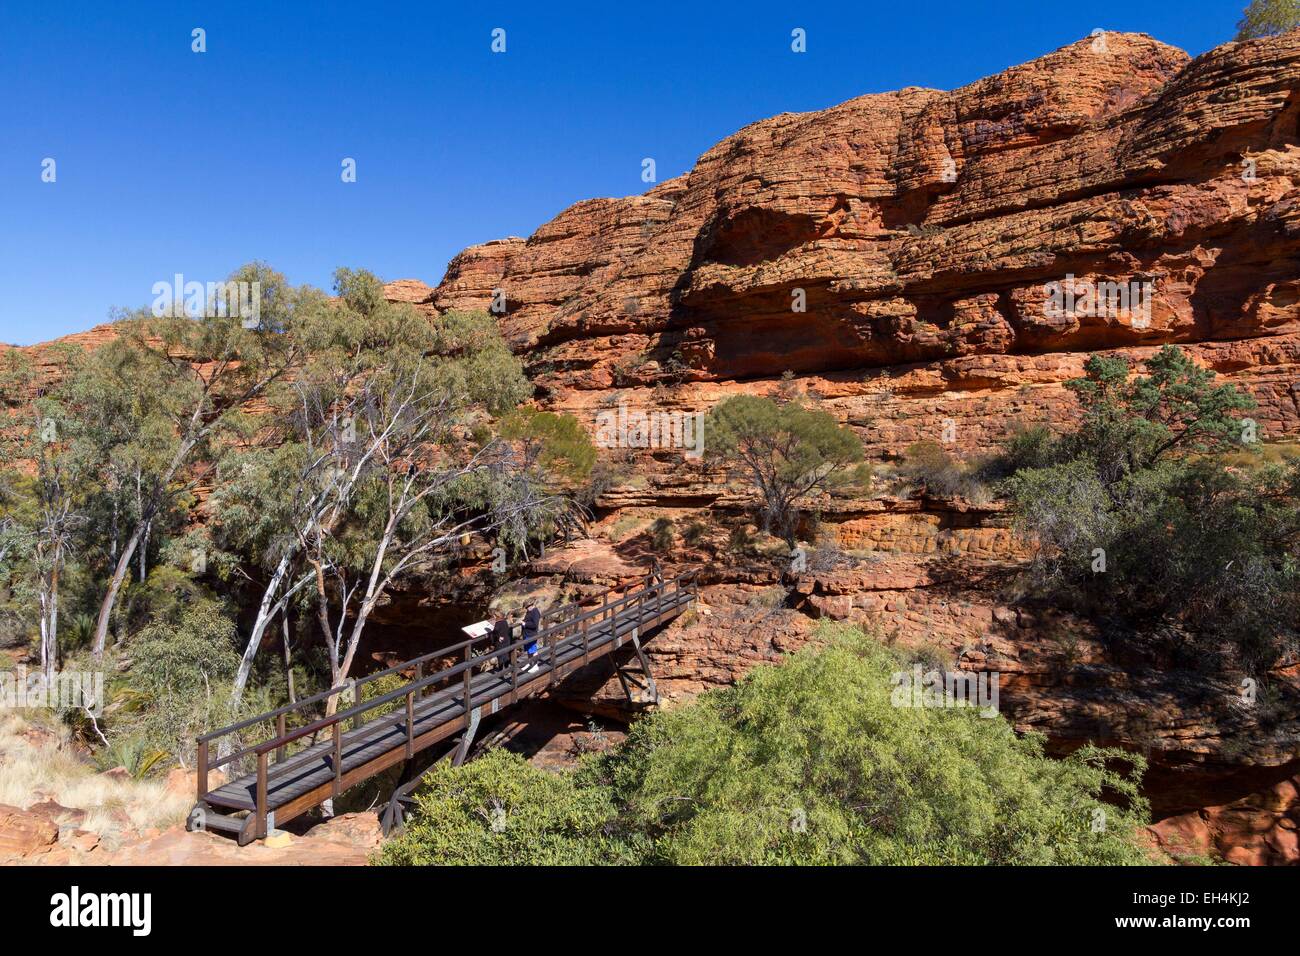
{"x":922,"y":232}
{"x":935,"y":265}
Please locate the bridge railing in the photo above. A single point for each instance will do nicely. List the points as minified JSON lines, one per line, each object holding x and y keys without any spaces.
{"x":353,"y":688}
{"x":570,"y":620}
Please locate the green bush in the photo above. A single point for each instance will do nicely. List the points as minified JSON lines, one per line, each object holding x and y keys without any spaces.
{"x":1141,"y":520}
{"x":131,"y":753}
{"x":927,"y":463}
{"x":373,"y":690}
{"x":695,"y":534}
{"x":807,"y":762}
{"x":662,"y":536}
{"x":501,"y":810}
{"x":182,"y":672}
{"x":558,"y":444}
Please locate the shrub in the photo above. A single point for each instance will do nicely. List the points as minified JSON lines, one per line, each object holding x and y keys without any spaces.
{"x":1033,"y":447}
{"x":738,"y":539}
{"x":1139,"y":519}
{"x":806,"y":762}
{"x":183,"y":670}
{"x":373,"y":690}
{"x":501,"y":810}
{"x":809,"y":762}
{"x":131,"y":753}
{"x":928,"y":463}
{"x":695,"y":534}
{"x":662,"y":537}
{"x":558,"y":444}
{"x":606,"y":473}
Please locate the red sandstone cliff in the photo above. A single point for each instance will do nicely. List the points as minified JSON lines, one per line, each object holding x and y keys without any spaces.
{"x":922,"y":227}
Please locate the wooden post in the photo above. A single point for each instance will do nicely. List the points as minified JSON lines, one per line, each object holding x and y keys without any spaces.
{"x":586,"y":655}
{"x":514,"y":674}
{"x":410,"y":724}
{"x":338,"y":758}
{"x":279,"y":732}
{"x":419,"y":676}
{"x":261,"y":796}
{"x":203,"y":769}
{"x":468,"y":694}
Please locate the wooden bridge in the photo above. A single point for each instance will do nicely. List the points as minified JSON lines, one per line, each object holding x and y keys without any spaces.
{"x":298,"y":768}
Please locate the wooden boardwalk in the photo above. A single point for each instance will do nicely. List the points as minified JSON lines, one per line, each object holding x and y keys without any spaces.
{"x":300,"y":768}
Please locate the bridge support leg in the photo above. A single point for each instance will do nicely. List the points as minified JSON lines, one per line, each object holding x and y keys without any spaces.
{"x":394,"y":813}
{"x":392,"y":816}
{"x":641,"y":678}
{"x":466,"y":740}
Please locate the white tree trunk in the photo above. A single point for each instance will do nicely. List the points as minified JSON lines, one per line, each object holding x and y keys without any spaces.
{"x":120,"y":572}
{"x":265,"y":612}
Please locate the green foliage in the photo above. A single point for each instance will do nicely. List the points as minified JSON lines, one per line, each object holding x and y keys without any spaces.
{"x":558,"y":444}
{"x":501,"y":810}
{"x":811,"y":762}
{"x":377,"y":688}
{"x":807,"y":762}
{"x":133,"y":754}
{"x":1133,"y":423}
{"x":478,"y":362}
{"x":1139,"y":519}
{"x":738,"y":539}
{"x":1033,"y":447}
{"x":182,"y":669}
{"x":1266,"y":18}
{"x":928,"y":463}
{"x":695,"y":533}
{"x":787,"y":452}
{"x":662,"y":535}
{"x":607,"y":472}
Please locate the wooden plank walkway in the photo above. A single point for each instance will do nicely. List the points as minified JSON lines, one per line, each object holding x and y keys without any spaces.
{"x":428,"y":709}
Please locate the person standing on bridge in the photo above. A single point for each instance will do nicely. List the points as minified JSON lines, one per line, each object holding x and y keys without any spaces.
{"x":532,"y":624}
{"x":532,"y":627}
{"x":501,"y":637}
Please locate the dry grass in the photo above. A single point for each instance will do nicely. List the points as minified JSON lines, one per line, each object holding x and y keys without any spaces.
{"x":44,"y":766}
{"x":1265,"y":453}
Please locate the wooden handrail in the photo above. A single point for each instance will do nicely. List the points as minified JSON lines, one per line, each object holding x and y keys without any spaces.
{"x":464,"y":668}
{"x":567,"y":627}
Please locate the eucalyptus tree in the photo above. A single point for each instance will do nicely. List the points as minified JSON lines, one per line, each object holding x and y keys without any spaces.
{"x":45,"y":478}
{"x":165,"y":393}
{"x":377,"y":467}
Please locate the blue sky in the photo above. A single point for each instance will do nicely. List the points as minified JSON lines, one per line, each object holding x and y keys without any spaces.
{"x":171,"y":161}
